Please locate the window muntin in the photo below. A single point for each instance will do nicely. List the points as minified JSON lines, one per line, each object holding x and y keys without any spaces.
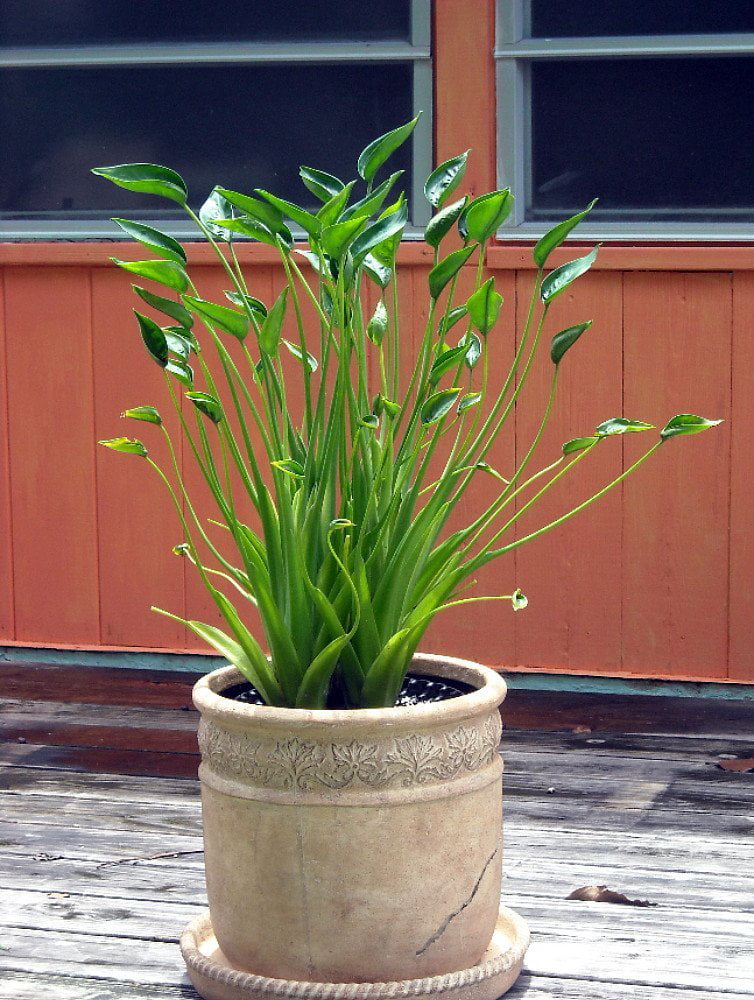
{"x":655,"y":126}
{"x":243,"y":114}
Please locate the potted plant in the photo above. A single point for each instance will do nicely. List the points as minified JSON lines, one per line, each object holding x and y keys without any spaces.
{"x":351,"y":787}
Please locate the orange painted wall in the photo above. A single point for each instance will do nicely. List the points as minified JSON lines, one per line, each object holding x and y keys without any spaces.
{"x":654,"y":582}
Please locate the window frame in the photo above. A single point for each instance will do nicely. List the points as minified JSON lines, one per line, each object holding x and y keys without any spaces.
{"x":514,"y":53}
{"x":417,"y":50}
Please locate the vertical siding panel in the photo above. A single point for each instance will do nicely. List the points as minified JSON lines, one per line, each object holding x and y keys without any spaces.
{"x":677,"y":359}
{"x":52,"y":455}
{"x":136,"y":519}
{"x":741,"y":645}
{"x":572,"y":574}
{"x":7,"y":626}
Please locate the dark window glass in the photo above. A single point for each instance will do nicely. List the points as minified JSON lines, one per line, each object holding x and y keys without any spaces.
{"x":239,"y":126}
{"x":589,"y":18}
{"x":93,"y":22}
{"x":655,"y":139}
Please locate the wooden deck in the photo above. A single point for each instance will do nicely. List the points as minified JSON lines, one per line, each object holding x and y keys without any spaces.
{"x":101,"y":863}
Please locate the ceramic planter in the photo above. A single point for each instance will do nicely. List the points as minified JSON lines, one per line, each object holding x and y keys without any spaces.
{"x":353,"y":846}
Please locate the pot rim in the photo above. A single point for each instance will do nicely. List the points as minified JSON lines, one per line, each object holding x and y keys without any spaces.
{"x":490,"y":691}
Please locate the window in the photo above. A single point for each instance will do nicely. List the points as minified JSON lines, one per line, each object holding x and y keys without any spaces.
{"x":645,"y":105}
{"x":232,"y":93}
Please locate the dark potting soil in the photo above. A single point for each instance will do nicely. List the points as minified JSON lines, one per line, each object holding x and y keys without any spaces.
{"x":416,"y":690}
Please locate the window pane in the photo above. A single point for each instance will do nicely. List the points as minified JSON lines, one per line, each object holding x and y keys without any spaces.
{"x":590,"y":18}
{"x":239,"y":126}
{"x":92,"y":22}
{"x":655,"y":139}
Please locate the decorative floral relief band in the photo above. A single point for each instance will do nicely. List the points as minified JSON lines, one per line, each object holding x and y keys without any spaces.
{"x":414,"y":759}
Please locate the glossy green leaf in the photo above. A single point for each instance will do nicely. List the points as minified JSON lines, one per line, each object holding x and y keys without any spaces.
{"x":382,"y":230}
{"x":553,"y":239}
{"x":321,"y":184}
{"x":214,"y":208}
{"x":336,"y":239}
{"x":166,"y":272}
{"x":126,"y":446}
{"x":454,"y":316}
{"x":254,"y":229}
{"x":377,"y":325}
{"x":578,"y":444}
{"x":290,"y":467}
{"x":484,"y":306}
{"x":468,"y":400}
{"x":230,"y":320}
{"x":298,"y":353}
{"x":378,"y":151}
{"x":440,"y":275}
{"x":207,"y":404}
{"x":370,"y":420}
{"x":384,"y":405}
{"x":438,"y":404}
{"x":473,"y":350}
{"x":444,"y":179}
{"x":482,"y":216}
{"x":180,"y":370}
{"x":440,"y":224}
{"x":178,"y":342}
{"x":159,"y":243}
{"x":269,"y":335}
{"x":621,"y":425}
{"x":332,"y":210}
{"x":308,"y":222}
{"x":449,"y":360}
{"x":146,"y":413}
{"x":686,"y":423}
{"x":372,"y":203}
{"x":248,"y":301}
{"x":170,"y":307}
{"x":562,"y":277}
{"x":565,"y":339}
{"x":146,"y":178}
{"x":519,"y":600}
{"x":154,"y":339}
{"x":379,"y":273}
{"x":257,"y":209}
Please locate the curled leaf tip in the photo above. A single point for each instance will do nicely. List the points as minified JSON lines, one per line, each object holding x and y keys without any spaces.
{"x":686,"y":423}
{"x":519,"y":600}
{"x":126,"y":446}
{"x":146,"y":413}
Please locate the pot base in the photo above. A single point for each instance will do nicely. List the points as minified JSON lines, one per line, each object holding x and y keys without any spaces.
{"x":215,"y":979}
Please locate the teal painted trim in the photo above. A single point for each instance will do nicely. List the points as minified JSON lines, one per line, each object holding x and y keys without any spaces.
{"x":200,"y":663}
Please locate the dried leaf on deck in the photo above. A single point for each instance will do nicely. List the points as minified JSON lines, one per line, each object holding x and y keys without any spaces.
{"x":741,"y":765}
{"x":601,"y":894}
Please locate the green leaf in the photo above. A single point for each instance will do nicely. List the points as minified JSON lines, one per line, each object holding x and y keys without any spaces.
{"x":370,"y":420}
{"x":484,"y":307}
{"x":444,"y":179}
{"x":621,"y":425}
{"x":230,"y":320}
{"x":482,"y":216}
{"x":178,"y":343}
{"x":450,"y":358}
{"x":146,"y":413}
{"x":256,"y":230}
{"x":380,"y":231}
{"x":438,"y":404}
{"x":332,"y":209}
{"x":214,"y":208}
{"x":308,"y":222}
{"x":469,"y":400}
{"x":126,"y":446}
{"x":440,"y":275}
{"x":448,"y":322}
{"x":378,"y":151}
{"x":321,"y":184}
{"x":473,"y":350}
{"x":170,"y":307}
{"x":550,"y":241}
{"x":565,"y":339}
{"x":255,"y":305}
{"x":440,"y":225}
{"x":519,"y":600}
{"x":377,"y":325}
{"x":298,"y":353}
{"x":147,"y":178}
{"x":269,"y":335}
{"x":159,"y":243}
{"x":383,"y":405}
{"x":183,"y":372}
{"x":290,"y":467}
{"x":372,"y":203}
{"x":154,"y":339}
{"x":336,"y":239}
{"x":379,"y":273}
{"x":207,"y":405}
{"x":259,"y":211}
{"x":166,"y":272}
{"x":578,"y":444}
{"x":562,"y":277}
{"x":686,"y":423}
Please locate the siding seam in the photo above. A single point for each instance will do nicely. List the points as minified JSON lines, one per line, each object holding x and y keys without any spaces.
{"x":6,"y":417}
{"x":97,"y":569}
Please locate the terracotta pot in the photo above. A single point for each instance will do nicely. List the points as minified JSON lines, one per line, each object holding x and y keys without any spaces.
{"x":353,"y":846}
